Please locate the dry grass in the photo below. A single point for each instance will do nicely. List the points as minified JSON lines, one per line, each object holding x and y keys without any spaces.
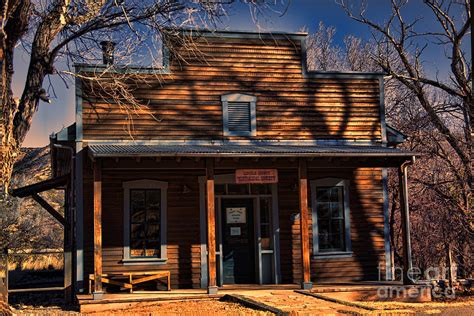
{"x":53,"y":261}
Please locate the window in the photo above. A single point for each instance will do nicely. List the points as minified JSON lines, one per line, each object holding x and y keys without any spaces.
{"x":144,"y":221}
{"x":266,"y":223}
{"x":239,"y":114}
{"x":331,"y":225}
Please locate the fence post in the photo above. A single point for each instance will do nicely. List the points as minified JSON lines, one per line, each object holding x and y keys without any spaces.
{"x":4,"y":276}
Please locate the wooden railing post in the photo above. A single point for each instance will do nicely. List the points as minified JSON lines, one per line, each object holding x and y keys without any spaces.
{"x":98,"y":293}
{"x":4,"y":276}
{"x":305,"y":253}
{"x":211,"y":227}
{"x":405,"y":219}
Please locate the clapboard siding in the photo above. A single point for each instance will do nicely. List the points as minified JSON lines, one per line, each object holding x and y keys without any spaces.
{"x":183,"y":237}
{"x":185,"y":104}
{"x":367,"y":228}
{"x":183,"y":243}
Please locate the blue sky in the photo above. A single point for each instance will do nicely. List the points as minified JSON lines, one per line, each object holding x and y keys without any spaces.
{"x":300,"y":14}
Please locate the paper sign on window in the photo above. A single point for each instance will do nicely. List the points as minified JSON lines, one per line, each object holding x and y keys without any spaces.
{"x":235,"y":215}
{"x":235,"y":231}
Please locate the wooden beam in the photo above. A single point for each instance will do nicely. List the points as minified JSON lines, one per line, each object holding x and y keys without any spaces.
{"x":405,"y":219}
{"x":211,"y":227}
{"x":305,"y":254}
{"x":97,"y":230}
{"x":51,"y":210}
{"x":45,"y":185}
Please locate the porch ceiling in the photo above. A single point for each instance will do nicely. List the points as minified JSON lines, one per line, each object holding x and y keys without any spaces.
{"x":247,"y":150}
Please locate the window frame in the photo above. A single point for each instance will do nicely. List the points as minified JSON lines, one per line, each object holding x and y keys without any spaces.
{"x":144,"y":185}
{"x":242,"y":98}
{"x":331,"y":182}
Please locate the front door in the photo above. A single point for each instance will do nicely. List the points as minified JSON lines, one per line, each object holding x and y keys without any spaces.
{"x":238,"y":241}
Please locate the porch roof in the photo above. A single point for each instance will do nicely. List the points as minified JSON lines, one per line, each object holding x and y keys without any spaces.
{"x":247,"y":150}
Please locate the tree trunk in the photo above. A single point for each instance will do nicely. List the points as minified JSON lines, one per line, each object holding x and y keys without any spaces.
{"x":16,"y":16}
{"x":17,"y":117}
{"x":450,"y":264}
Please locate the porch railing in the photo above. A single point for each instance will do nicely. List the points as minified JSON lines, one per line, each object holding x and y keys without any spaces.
{"x":7,"y":258}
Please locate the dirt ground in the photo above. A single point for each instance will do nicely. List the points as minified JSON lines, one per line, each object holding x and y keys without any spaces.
{"x":460,"y":306}
{"x":32,"y":306}
{"x":192,"y":308}
{"x":201,"y":307}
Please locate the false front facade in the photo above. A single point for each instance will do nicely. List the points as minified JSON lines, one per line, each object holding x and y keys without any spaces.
{"x":244,"y":168}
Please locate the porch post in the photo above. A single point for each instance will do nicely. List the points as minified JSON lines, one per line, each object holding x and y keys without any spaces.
{"x":303,"y":191}
{"x":68,"y":239}
{"x":405,"y":221}
{"x":211,"y":227}
{"x":98,"y":293}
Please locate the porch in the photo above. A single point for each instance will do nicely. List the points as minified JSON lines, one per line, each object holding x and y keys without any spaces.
{"x":287,"y":254}
{"x":259,"y":294}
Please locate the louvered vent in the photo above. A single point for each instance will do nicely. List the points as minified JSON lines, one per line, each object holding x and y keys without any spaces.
{"x":239,"y":117}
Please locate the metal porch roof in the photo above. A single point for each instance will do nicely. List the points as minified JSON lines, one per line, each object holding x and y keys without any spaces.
{"x":247,"y":150}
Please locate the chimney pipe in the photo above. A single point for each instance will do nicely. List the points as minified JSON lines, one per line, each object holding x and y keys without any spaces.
{"x":108,"y":52}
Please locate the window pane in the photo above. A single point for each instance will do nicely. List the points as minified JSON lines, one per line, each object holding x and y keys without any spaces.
{"x":153,"y":215}
{"x":238,"y":189}
{"x":266,"y":223}
{"x":219,"y":189}
{"x":323,"y":227}
{"x":322,"y":195}
{"x":137,"y":248}
{"x":145,"y":208}
{"x":138,"y":215}
{"x":153,"y":198}
{"x":137,"y":205}
{"x":323,"y":210}
{"x":138,"y":197}
{"x":153,"y":245}
{"x":265,"y":210}
{"x":153,"y":231}
{"x":265,"y":237}
{"x":337,"y":227}
{"x":334,"y":193}
{"x":336,"y":210}
{"x":150,"y":251}
{"x":260,"y":188}
{"x":138,"y":231}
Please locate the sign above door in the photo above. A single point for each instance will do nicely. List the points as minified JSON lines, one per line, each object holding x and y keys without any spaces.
{"x":246,"y":176}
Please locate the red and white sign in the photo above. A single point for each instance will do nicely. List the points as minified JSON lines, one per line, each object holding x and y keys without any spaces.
{"x":244,"y":176}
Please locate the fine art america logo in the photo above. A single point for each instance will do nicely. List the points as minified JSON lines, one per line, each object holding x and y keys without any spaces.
{"x":430,"y":281}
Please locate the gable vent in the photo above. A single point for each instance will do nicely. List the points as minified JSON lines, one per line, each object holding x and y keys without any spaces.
{"x":239,"y":117}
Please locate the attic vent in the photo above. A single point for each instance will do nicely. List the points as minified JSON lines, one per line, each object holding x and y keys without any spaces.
{"x":239,"y":117}
{"x":239,"y":114}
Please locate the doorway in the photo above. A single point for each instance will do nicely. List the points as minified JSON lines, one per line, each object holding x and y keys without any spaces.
{"x":238,"y":240}
{"x":258,"y":241}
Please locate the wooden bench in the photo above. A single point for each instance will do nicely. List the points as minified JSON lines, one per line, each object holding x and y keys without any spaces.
{"x":134,"y":278}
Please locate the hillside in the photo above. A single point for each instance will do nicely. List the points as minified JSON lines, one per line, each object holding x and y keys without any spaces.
{"x":24,"y":224}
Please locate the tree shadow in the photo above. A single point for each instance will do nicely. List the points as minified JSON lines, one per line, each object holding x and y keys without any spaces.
{"x":290,"y":106}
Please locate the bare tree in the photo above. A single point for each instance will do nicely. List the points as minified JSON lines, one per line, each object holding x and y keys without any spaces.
{"x":68,"y":31}
{"x":399,"y":51}
{"x":440,"y":215}
{"x":322,"y":54}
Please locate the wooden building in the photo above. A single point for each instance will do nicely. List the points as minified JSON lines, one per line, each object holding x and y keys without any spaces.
{"x":250,"y":170}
